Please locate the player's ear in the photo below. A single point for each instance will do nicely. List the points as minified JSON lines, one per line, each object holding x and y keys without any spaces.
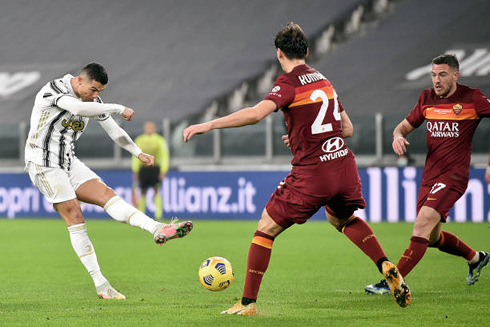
{"x":307,"y":52}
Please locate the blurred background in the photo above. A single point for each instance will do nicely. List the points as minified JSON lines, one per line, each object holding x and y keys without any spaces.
{"x":182,"y":62}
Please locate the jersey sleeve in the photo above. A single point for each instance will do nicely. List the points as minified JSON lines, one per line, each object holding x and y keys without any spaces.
{"x":482,"y":104}
{"x":282,"y":93}
{"x":416,"y":116}
{"x":135,"y":162}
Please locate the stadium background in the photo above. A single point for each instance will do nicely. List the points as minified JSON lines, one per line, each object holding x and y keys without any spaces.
{"x":183,"y":62}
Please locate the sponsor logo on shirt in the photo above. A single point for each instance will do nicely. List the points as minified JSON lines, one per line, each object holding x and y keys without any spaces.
{"x":443,"y":129}
{"x":334,"y":149}
{"x":274,"y":91}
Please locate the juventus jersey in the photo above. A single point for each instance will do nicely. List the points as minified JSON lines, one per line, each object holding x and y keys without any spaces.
{"x":53,"y":131}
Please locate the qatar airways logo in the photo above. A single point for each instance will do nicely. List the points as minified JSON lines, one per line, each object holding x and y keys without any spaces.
{"x":443,"y":129}
{"x":334,"y":149}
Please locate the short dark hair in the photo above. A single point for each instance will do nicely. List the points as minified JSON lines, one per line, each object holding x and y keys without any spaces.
{"x":96,"y":72}
{"x":292,"y":41}
{"x":448,"y":59}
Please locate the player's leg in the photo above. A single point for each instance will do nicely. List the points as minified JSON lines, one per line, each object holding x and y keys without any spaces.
{"x":90,"y":189}
{"x":450,"y":243}
{"x":55,"y":185}
{"x":96,"y":192}
{"x":72,"y":214}
{"x":258,"y":260}
{"x":157,"y":199}
{"x":142,"y":200}
{"x":359,"y":232}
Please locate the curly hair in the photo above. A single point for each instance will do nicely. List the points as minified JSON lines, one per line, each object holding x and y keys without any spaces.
{"x":292,"y":41}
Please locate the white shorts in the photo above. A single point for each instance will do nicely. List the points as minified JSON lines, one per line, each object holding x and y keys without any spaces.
{"x":59,"y":185}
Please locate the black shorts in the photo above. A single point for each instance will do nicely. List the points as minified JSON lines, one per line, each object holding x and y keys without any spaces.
{"x":148,"y":176}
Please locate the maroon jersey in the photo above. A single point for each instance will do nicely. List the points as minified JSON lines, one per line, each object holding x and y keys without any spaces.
{"x":451,"y":123}
{"x":312,"y":113}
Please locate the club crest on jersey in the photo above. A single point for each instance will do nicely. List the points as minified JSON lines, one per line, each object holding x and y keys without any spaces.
{"x":334,"y":148}
{"x":74,"y":125}
{"x":457,"y":108}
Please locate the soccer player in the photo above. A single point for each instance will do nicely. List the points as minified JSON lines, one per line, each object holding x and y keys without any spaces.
{"x":324,"y":172}
{"x":60,"y":115}
{"x":453,"y":111}
{"x":150,"y":176}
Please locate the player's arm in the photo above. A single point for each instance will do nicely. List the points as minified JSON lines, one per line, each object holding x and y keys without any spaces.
{"x":347,"y":127}
{"x":399,"y":137}
{"x":246,"y":116}
{"x":91,"y":109}
{"x":121,"y":138}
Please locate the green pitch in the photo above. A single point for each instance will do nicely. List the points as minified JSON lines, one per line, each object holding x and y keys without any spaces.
{"x":316,"y":278}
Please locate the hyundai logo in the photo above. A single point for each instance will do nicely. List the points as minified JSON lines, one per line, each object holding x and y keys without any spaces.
{"x":333,"y":144}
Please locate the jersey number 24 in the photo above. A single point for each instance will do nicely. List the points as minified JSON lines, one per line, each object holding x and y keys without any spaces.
{"x":317,"y":127}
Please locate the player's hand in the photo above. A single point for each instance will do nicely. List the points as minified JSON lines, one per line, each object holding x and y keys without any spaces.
{"x":195,"y":129}
{"x":399,"y":145}
{"x":128,"y":114}
{"x":147,"y":159}
{"x":487,"y":175}
{"x":285,"y":139}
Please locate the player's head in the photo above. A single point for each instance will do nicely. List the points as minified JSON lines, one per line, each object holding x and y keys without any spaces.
{"x":149,"y":127}
{"x":292,"y":42}
{"x":445,"y":74}
{"x":91,"y":81}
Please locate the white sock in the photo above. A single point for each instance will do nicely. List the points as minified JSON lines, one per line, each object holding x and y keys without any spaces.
{"x":475,"y":258}
{"x":85,"y":250}
{"x":122,"y":211}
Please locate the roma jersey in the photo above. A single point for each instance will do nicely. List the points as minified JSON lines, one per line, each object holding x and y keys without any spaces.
{"x":311,"y":110}
{"x":451,"y":123}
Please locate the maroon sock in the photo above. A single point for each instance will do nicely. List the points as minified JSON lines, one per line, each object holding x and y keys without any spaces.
{"x":359,"y":232}
{"x":258,"y":260}
{"x":452,"y":244}
{"x":412,"y":255}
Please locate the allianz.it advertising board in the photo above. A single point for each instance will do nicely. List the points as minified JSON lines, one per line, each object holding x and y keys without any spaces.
{"x":390,"y":194}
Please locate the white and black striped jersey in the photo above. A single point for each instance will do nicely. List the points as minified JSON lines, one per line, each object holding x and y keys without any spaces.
{"x":54,"y":130}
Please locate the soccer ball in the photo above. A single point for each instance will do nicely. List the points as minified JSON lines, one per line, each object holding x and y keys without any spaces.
{"x":216,"y":274}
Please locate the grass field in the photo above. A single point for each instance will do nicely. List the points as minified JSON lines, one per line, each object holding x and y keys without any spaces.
{"x":316,"y":277}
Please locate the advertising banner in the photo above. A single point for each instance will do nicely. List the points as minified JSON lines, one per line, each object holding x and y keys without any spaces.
{"x":390,"y":194}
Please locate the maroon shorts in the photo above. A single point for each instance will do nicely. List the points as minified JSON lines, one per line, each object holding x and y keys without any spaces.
{"x":440,"y":197}
{"x":303,"y":192}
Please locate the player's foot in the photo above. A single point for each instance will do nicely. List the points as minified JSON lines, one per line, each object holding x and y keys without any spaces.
{"x":380,"y":288}
{"x":475,"y":268}
{"x":395,"y":282}
{"x":107,"y":292}
{"x":166,"y":232}
{"x":243,"y":310}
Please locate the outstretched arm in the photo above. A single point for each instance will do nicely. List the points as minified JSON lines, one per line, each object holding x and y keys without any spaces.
{"x":121,"y":138}
{"x":246,"y":116}
{"x":399,"y":137}
{"x":91,"y":109}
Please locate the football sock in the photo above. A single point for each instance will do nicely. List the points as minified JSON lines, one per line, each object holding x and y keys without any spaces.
{"x":412,"y":255}
{"x":122,"y":211}
{"x":142,"y":203}
{"x":452,"y":244}
{"x":258,"y":260}
{"x":359,"y":232}
{"x":158,"y":206}
{"x":85,"y":250}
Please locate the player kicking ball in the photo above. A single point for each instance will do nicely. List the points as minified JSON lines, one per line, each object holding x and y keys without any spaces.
{"x":324,"y":172}
{"x":60,"y":115}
